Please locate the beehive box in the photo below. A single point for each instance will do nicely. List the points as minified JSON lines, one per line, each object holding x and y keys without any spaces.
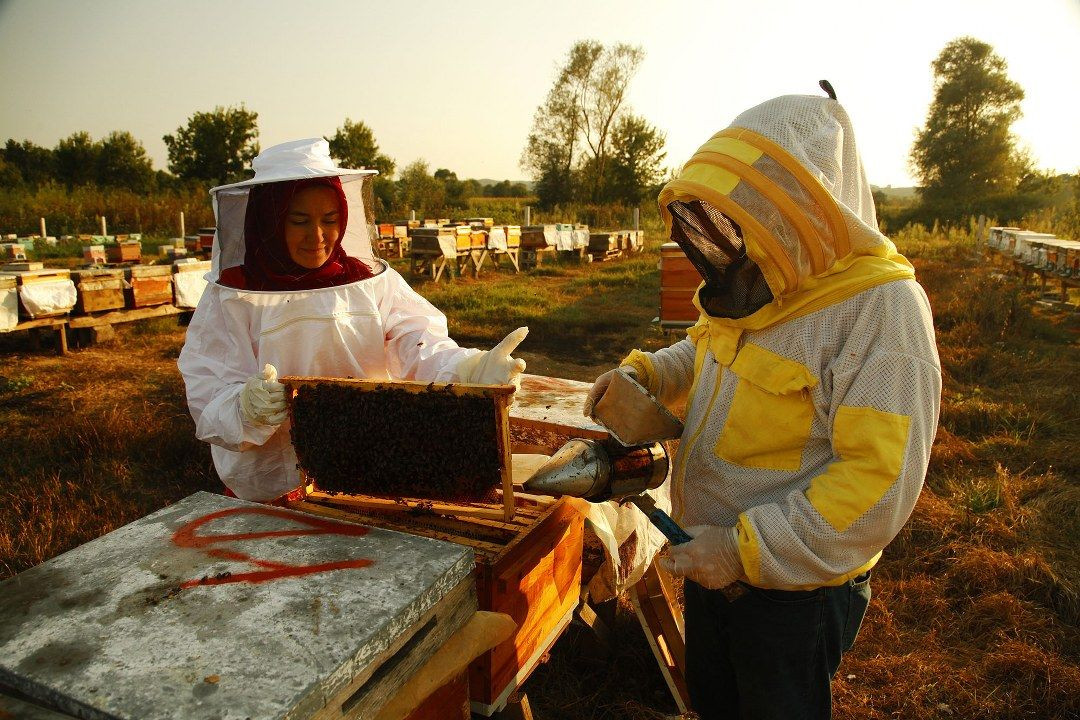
{"x":439,"y":447}
{"x":484,"y":222}
{"x":529,"y":568}
{"x":604,"y":244}
{"x":206,"y":238}
{"x":191,"y":243}
{"x":538,"y":237}
{"x":99,"y":289}
{"x":434,"y":241}
{"x":94,"y":254}
{"x":386,"y":230}
{"x":13,"y":251}
{"x":43,"y":292}
{"x":513,"y":235}
{"x":123,"y":252}
{"x":9,"y":303}
{"x":189,"y":282}
{"x":477,"y":238}
{"x":679,"y":280}
{"x":148,"y":285}
{"x":462,"y":237}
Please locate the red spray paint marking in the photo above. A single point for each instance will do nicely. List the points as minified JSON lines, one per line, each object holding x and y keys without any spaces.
{"x":186,"y":537}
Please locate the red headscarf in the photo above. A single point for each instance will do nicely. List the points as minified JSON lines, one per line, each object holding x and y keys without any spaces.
{"x":267,"y":263}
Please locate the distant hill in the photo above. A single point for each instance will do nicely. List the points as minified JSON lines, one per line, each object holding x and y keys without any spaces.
{"x":488,"y":181}
{"x":896,"y":193}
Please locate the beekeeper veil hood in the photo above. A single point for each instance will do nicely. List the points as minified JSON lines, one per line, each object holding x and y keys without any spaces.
{"x":787,"y":175}
{"x":297,"y":160}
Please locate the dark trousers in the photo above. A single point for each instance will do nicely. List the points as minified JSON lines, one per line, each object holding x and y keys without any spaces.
{"x":769,"y":654}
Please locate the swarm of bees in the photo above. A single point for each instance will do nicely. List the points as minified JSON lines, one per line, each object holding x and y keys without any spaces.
{"x":390,"y":442}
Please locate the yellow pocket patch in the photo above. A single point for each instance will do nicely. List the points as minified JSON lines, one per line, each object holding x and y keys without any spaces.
{"x":871,"y":445}
{"x":768,"y":424}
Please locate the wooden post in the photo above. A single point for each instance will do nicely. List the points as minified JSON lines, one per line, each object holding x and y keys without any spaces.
{"x":103,"y":230}
{"x":528,"y":215}
{"x":181,"y":224}
{"x":637,"y":218}
{"x":412,"y":216}
{"x":980,"y":238}
{"x":43,"y":233}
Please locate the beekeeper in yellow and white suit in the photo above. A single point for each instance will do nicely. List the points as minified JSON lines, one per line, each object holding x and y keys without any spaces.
{"x":296,"y":289}
{"x":813,"y":387}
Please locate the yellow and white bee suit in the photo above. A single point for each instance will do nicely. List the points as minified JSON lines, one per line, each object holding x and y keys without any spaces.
{"x":375,"y":328}
{"x":810,"y":420}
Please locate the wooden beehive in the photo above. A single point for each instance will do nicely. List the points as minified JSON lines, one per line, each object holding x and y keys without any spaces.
{"x":206,"y":238}
{"x":386,"y":230}
{"x":148,"y":285}
{"x":439,"y":447}
{"x":529,"y":568}
{"x":513,"y":236}
{"x":538,"y":237}
{"x":9,"y":302}
{"x":99,"y":289}
{"x":31,"y":274}
{"x":477,"y":238}
{"x":434,"y":241}
{"x":94,"y":254}
{"x":679,"y":280}
{"x":462,"y":237}
{"x":124,"y":252}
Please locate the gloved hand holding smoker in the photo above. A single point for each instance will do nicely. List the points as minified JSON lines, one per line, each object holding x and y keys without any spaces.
{"x":812,"y":388}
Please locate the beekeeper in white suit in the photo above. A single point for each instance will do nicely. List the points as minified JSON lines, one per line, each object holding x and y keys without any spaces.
{"x":813,"y":388}
{"x":295,"y":289}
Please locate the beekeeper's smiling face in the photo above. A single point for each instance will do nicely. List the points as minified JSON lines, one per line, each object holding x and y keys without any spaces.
{"x":312,"y":226}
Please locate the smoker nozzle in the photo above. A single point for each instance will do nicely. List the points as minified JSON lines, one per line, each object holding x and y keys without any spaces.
{"x":596,"y":471}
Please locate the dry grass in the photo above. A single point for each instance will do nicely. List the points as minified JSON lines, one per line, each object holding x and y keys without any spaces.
{"x":976,"y":608}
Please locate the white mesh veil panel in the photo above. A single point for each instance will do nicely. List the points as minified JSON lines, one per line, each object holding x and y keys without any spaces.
{"x":707,"y":236}
{"x":230,"y":209}
{"x":818,"y":133}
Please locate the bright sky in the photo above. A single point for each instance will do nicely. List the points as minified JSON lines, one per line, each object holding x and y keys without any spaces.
{"x":457,"y":83}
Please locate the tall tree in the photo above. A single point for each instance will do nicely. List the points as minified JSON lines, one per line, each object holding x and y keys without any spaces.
{"x":637,"y":159}
{"x":354,"y":146}
{"x":419,"y":190}
{"x":572,"y":130}
{"x":34,"y":164}
{"x":77,"y":159}
{"x":966,"y":152}
{"x":122,"y":162}
{"x":214,"y":146}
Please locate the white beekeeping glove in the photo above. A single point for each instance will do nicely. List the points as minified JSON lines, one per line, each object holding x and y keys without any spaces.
{"x":495,"y":366}
{"x":262,"y":401}
{"x":711,"y":559}
{"x":600,"y":386}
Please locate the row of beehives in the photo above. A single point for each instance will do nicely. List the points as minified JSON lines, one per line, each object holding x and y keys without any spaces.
{"x":449,"y":239}
{"x":1037,"y":251}
{"x":30,"y":291}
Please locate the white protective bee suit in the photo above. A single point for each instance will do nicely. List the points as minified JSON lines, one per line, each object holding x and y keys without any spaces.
{"x":376,"y":328}
{"x":809,"y":421}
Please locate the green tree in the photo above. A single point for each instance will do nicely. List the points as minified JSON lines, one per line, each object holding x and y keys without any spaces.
{"x":122,"y":162}
{"x":354,"y":146}
{"x":636,"y":161}
{"x":35,"y":165}
{"x":569,"y":147}
{"x":77,"y":159}
{"x":215,"y":146}
{"x":418,"y":190}
{"x":966,"y":153}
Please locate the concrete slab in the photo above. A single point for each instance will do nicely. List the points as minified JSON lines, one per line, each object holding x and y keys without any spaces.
{"x":217,"y":608}
{"x":12,"y":708}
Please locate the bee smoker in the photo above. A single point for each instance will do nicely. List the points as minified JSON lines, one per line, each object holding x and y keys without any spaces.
{"x":597,"y":470}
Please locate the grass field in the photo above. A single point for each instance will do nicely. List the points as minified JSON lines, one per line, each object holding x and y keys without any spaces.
{"x":976,"y":608}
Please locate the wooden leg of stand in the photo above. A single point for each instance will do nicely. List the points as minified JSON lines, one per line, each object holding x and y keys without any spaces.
{"x":517,"y":708}
{"x":661,"y":619}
